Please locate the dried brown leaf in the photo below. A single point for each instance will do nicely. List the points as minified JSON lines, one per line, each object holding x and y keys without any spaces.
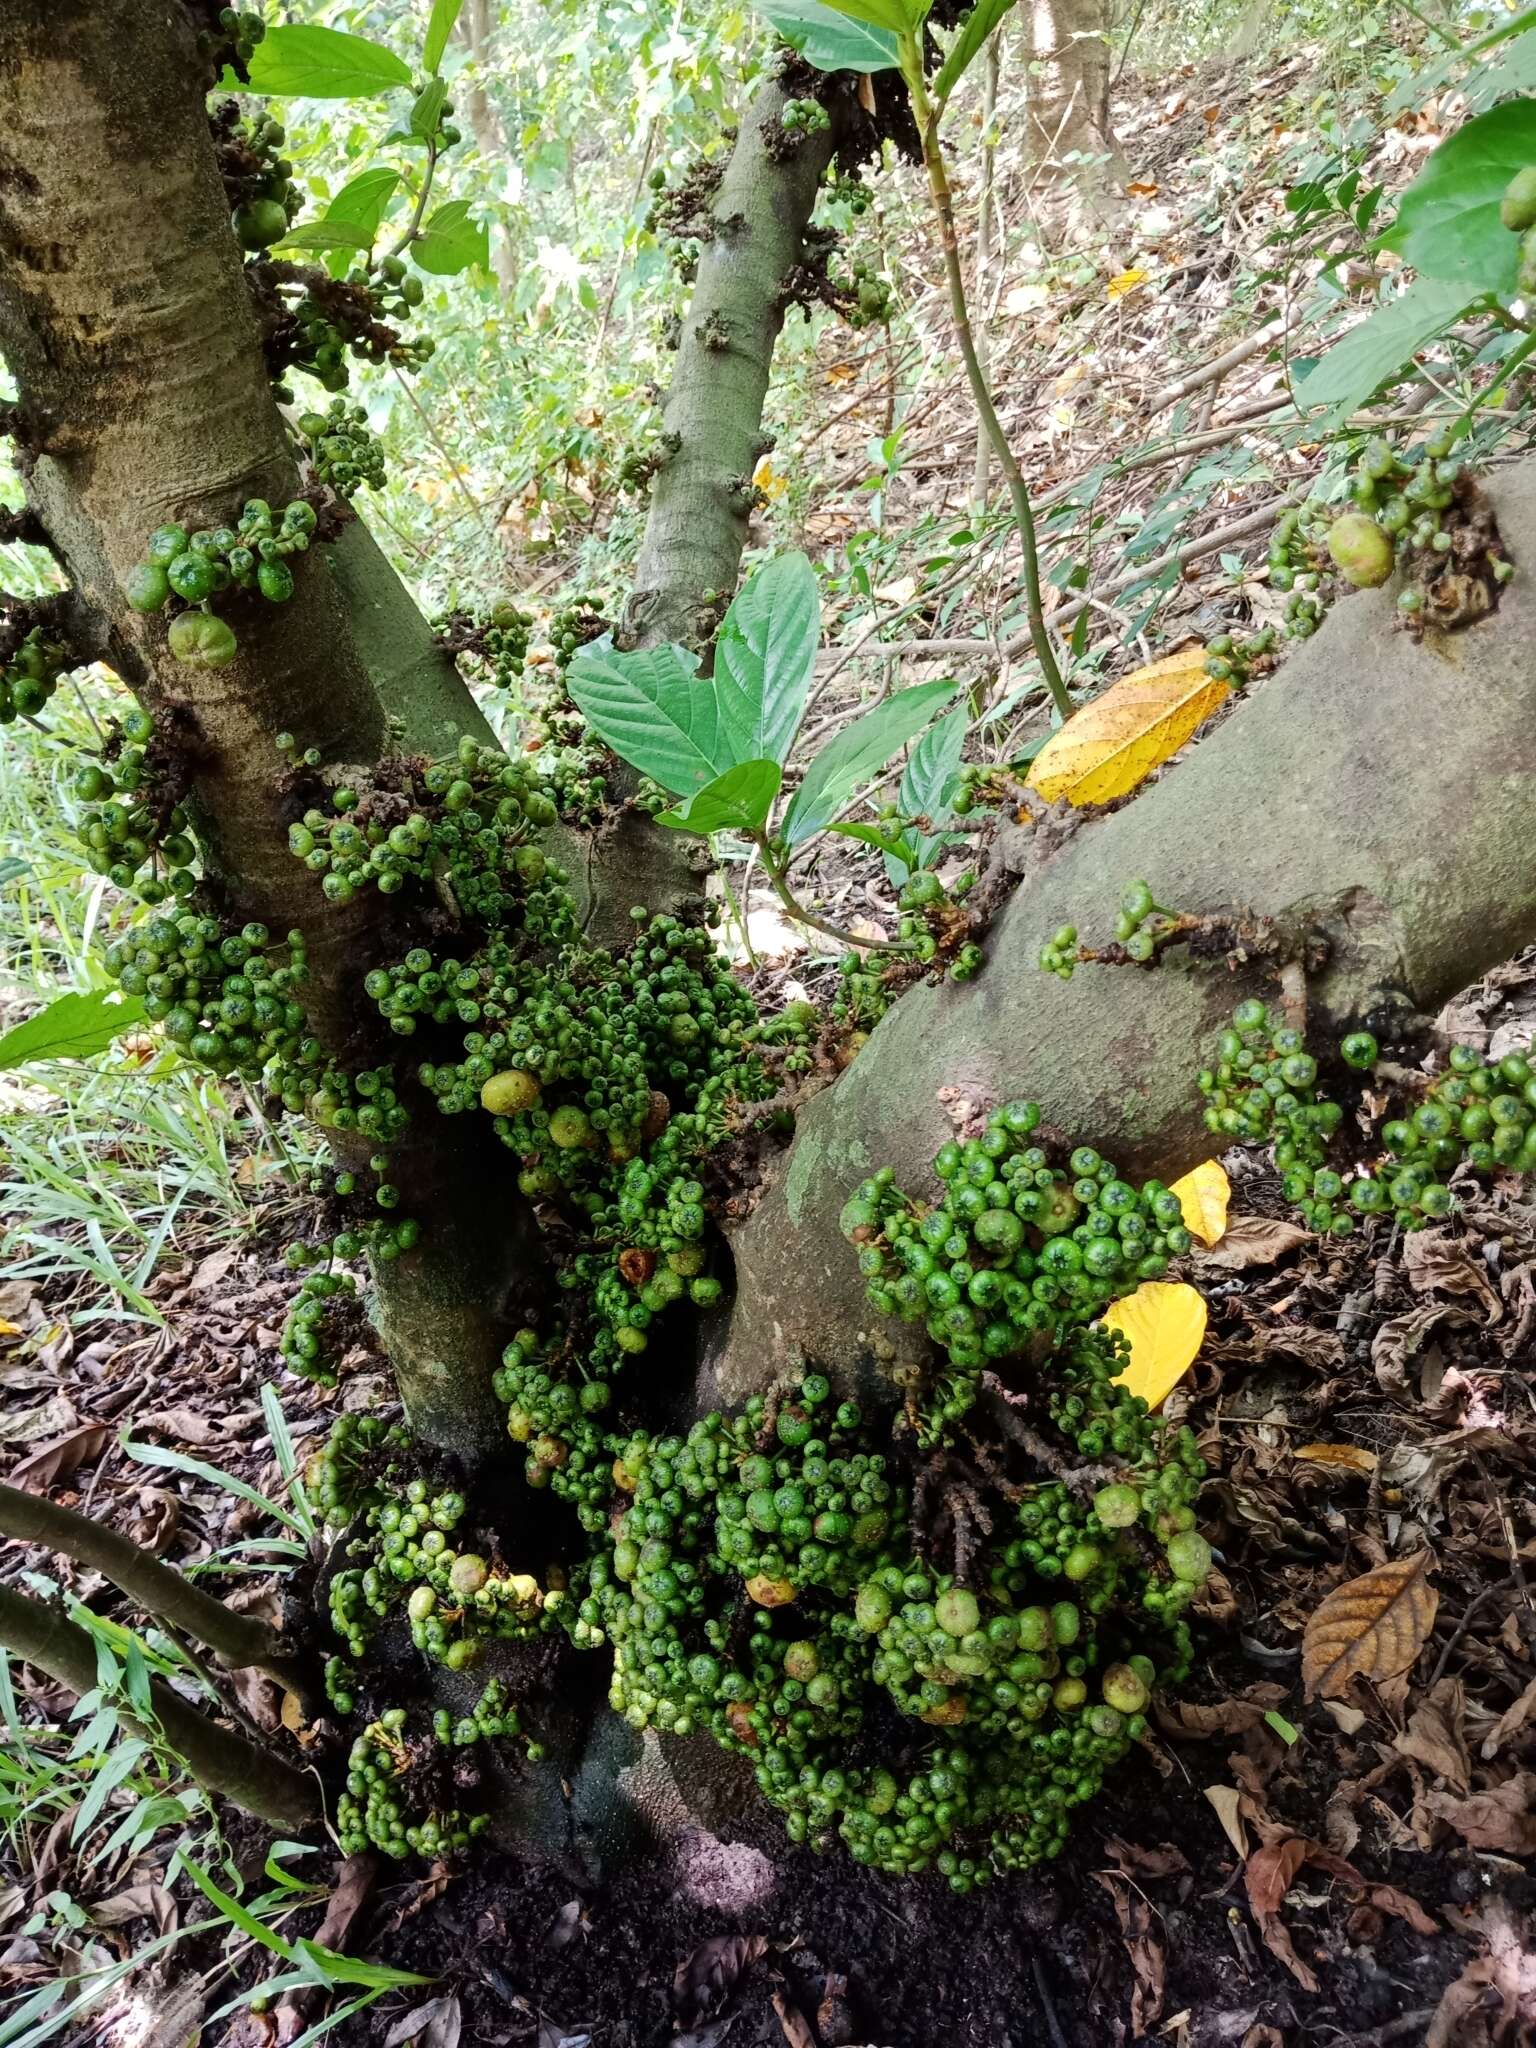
{"x":1503,"y":1819}
{"x":1511,"y":1721}
{"x":1143,"y":1944}
{"x":1432,"y":1261}
{"x":1372,"y":1627}
{"x":437,"y":2024}
{"x":1434,"y":1736}
{"x":1254,"y":1241}
{"x":704,"y":1980}
{"x":1228,"y":1802}
{"x":60,"y":1459}
{"x":796,"y":2027}
{"x":1340,"y":1457}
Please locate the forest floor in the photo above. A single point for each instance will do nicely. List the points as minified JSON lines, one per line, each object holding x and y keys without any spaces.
{"x":1274,"y":1872}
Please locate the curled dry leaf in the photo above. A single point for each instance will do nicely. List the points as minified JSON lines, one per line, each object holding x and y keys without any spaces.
{"x":1139,"y":1928}
{"x":1114,"y":743}
{"x":62,"y":1458}
{"x":1255,"y":1241}
{"x":1373,"y":1627}
{"x":1511,"y":1721}
{"x":704,"y":1980}
{"x":1228,"y":1802}
{"x":797,"y":2030}
{"x":1502,"y":1820}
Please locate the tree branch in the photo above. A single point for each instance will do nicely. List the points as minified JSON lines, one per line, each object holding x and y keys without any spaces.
{"x":254,"y":1779}
{"x":238,"y":1640}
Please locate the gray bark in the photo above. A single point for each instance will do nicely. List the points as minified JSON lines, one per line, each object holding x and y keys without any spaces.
{"x":1376,"y":791}
{"x":125,"y":318}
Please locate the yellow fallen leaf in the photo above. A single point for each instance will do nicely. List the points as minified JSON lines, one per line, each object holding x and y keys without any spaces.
{"x":1123,"y":283}
{"x":1140,"y":722}
{"x":1204,"y":1193}
{"x":291,"y":1713}
{"x":1345,"y":1457}
{"x":9,"y":1329}
{"x":1164,"y":1323}
{"x":768,"y":479}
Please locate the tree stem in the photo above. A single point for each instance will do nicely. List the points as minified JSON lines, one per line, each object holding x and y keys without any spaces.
{"x":238,"y":1640}
{"x":927,"y":117}
{"x":797,"y":910}
{"x":254,"y":1779}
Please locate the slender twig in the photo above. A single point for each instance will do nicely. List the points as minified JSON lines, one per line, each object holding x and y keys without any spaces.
{"x":927,"y":117}
{"x":414,"y":224}
{"x":797,"y":910}
{"x":437,"y":442}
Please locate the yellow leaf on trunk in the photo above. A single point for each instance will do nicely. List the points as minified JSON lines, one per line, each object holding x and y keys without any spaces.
{"x":1115,"y":742}
{"x":1164,"y":1323}
{"x":1204,"y":1193}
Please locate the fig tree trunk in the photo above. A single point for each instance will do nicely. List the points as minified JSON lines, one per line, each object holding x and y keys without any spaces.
{"x":126,"y":321}
{"x":1071,"y":145}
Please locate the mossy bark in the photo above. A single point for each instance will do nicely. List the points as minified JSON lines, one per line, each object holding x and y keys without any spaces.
{"x":125,"y":317}
{"x":700,"y":507}
{"x":1377,"y":794}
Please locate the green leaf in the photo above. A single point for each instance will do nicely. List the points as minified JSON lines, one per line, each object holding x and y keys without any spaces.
{"x":339,"y":1969}
{"x":858,"y":753}
{"x":901,"y":17}
{"x":968,"y":44}
{"x":737,"y":801}
{"x":1286,"y":1730}
{"x":231,"y":1908}
{"x":451,"y":241}
{"x":765,"y":657}
{"x":361,"y":204}
{"x":827,"y":39}
{"x":895,"y":845}
{"x":71,"y":1028}
{"x":314,"y":63}
{"x":928,"y":783}
{"x":328,"y":234}
{"x":445,"y":14}
{"x":1380,"y":346}
{"x":655,"y":711}
{"x":428,"y":110}
{"x":1448,"y":222}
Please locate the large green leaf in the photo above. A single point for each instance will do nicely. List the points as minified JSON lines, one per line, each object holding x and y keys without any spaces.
{"x":828,"y":39}
{"x":858,"y":754}
{"x":901,"y":17}
{"x":655,"y":711}
{"x":1448,"y":222}
{"x":737,"y":801}
{"x":70,"y":1028}
{"x":968,"y":44}
{"x":451,"y":241}
{"x":444,"y":14}
{"x":927,"y":784}
{"x":1380,"y":346}
{"x":359,"y":208}
{"x":308,"y":62}
{"x":765,"y":657}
